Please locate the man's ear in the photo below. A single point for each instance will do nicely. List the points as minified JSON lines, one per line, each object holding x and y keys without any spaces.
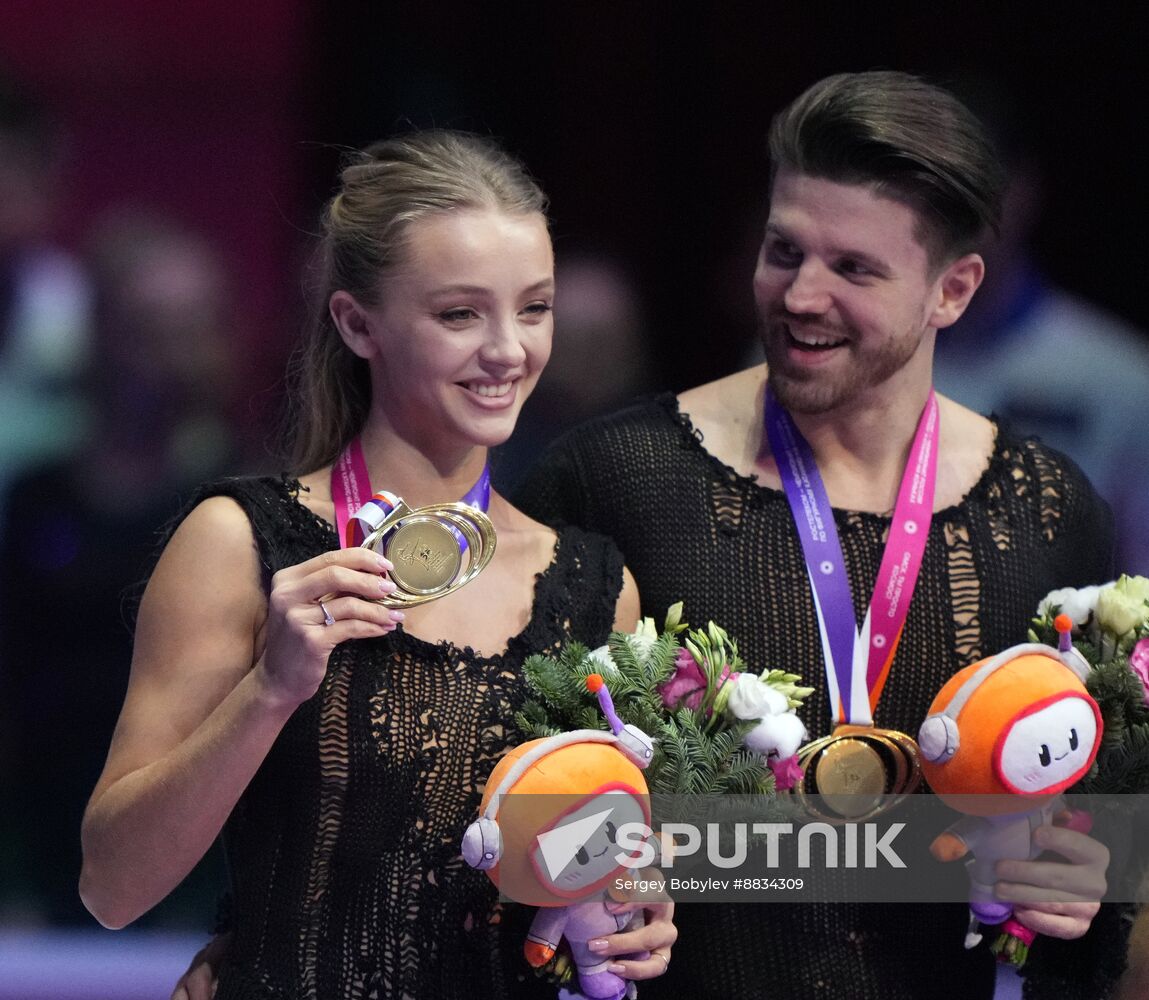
{"x":350,"y":319}
{"x":956,"y":285}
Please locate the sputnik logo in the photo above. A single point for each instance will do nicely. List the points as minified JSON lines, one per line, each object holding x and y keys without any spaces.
{"x":560,"y":846}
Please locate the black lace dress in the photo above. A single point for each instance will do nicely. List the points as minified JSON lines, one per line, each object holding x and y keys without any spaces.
{"x":692,"y":529}
{"x":347,"y":881}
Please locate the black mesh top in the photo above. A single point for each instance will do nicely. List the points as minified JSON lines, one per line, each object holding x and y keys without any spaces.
{"x":692,"y":529}
{"x":344,"y":849}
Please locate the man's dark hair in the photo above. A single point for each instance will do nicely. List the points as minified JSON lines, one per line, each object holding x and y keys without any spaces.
{"x":906,"y":139}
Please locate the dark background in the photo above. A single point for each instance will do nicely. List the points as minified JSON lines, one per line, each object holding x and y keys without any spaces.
{"x":645,"y":124}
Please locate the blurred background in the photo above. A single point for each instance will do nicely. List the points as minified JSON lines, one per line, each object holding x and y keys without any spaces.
{"x":161,"y":167}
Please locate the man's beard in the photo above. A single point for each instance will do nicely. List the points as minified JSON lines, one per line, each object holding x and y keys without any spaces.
{"x":814,"y":391}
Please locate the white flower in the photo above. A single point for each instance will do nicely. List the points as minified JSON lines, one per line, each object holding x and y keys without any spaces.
{"x":602,"y":657}
{"x":782,"y":734}
{"x":752,"y":698}
{"x":643,"y":638}
{"x":1078,"y":604}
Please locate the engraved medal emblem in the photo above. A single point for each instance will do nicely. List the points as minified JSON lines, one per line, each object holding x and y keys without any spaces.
{"x":435,"y":549}
{"x":858,"y":772}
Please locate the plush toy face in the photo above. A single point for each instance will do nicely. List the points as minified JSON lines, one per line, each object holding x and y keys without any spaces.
{"x":1048,"y":747}
{"x":559,"y":820}
{"x":1028,"y":729}
{"x":579,"y":851}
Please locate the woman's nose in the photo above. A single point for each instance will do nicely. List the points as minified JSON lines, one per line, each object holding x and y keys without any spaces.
{"x":503,"y":345}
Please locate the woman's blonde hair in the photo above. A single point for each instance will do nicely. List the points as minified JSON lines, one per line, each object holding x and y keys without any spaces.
{"x":364,"y":230}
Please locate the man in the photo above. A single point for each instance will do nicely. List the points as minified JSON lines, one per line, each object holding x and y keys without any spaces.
{"x":882,"y":189}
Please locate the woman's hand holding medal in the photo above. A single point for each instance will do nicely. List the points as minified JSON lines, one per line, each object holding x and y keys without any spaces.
{"x":430,"y":551}
{"x":315,"y":606}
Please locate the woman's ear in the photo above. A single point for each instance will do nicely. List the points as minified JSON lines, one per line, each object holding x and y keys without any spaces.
{"x":957,"y":283}
{"x":353,"y":323}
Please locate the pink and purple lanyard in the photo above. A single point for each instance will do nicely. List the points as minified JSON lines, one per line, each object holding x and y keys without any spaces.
{"x":857,"y":660}
{"x":356,"y":517}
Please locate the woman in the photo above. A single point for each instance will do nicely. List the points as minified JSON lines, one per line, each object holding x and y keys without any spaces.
{"x":343,"y":746}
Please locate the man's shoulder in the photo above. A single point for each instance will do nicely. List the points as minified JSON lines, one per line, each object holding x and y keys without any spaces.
{"x":964,"y":432}
{"x":1047,"y":488}
{"x":715,"y":410}
{"x":1050,"y":465}
{"x":966,"y":451}
{"x":1026,"y":473}
{"x":982,"y":458}
{"x":727,"y":413}
{"x":647,"y":415}
{"x":721,"y":400}
{"x":567,"y":483}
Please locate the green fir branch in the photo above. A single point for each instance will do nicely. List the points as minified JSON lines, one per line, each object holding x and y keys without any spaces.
{"x":534,"y":722}
{"x":747,"y":775}
{"x":697,"y":752}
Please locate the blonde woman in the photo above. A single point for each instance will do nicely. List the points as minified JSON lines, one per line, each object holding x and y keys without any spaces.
{"x":342,"y":747}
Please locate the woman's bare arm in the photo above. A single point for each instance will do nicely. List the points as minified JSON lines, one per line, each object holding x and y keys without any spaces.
{"x":217,"y":671}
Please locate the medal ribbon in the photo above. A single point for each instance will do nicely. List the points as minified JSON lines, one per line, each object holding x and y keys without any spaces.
{"x":857,"y":660}
{"x":350,"y":483}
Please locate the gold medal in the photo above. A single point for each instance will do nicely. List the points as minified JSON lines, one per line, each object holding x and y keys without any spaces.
{"x":435,"y":549}
{"x":425,"y":554}
{"x":849,"y":776}
{"x":857,"y":772}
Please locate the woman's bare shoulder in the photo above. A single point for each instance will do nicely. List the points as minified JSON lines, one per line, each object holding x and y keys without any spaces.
{"x":215,"y":531}
{"x":210,"y":567}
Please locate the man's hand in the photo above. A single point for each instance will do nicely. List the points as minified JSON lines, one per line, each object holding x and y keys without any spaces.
{"x":1056,"y":898}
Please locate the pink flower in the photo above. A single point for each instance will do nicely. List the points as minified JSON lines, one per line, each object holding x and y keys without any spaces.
{"x":787,"y":773}
{"x":687,"y":683}
{"x":1139,"y":664}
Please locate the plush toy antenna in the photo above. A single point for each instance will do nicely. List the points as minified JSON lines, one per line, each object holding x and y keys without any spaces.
{"x":1064,"y":626}
{"x":632,"y":741}
{"x":1066,"y":651}
{"x":597,"y":686}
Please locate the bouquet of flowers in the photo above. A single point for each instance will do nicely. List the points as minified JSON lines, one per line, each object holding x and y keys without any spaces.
{"x":1110,"y":630}
{"x":718,"y":727}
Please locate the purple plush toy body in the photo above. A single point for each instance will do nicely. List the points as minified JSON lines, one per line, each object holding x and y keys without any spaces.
{"x":578,"y":924}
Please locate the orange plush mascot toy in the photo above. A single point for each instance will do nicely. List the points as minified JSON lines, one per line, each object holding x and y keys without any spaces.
{"x":1004,"y":737}
{"x":548,"y":834}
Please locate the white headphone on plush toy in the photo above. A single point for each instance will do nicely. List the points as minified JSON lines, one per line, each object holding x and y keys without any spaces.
{"x":483,"y":842}
{"x":939,"y":737}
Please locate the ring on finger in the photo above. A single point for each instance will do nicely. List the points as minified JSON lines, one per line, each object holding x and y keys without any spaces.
{"x":665,"y":959}
{"x":327,"y":617}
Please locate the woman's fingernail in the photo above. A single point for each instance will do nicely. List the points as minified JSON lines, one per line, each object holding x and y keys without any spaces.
{"x":387,"y":585}
{"x":384,"y":564}
{"x":598,"y":944}
{"x":397,"y":616}
{"x":617,"y":969}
